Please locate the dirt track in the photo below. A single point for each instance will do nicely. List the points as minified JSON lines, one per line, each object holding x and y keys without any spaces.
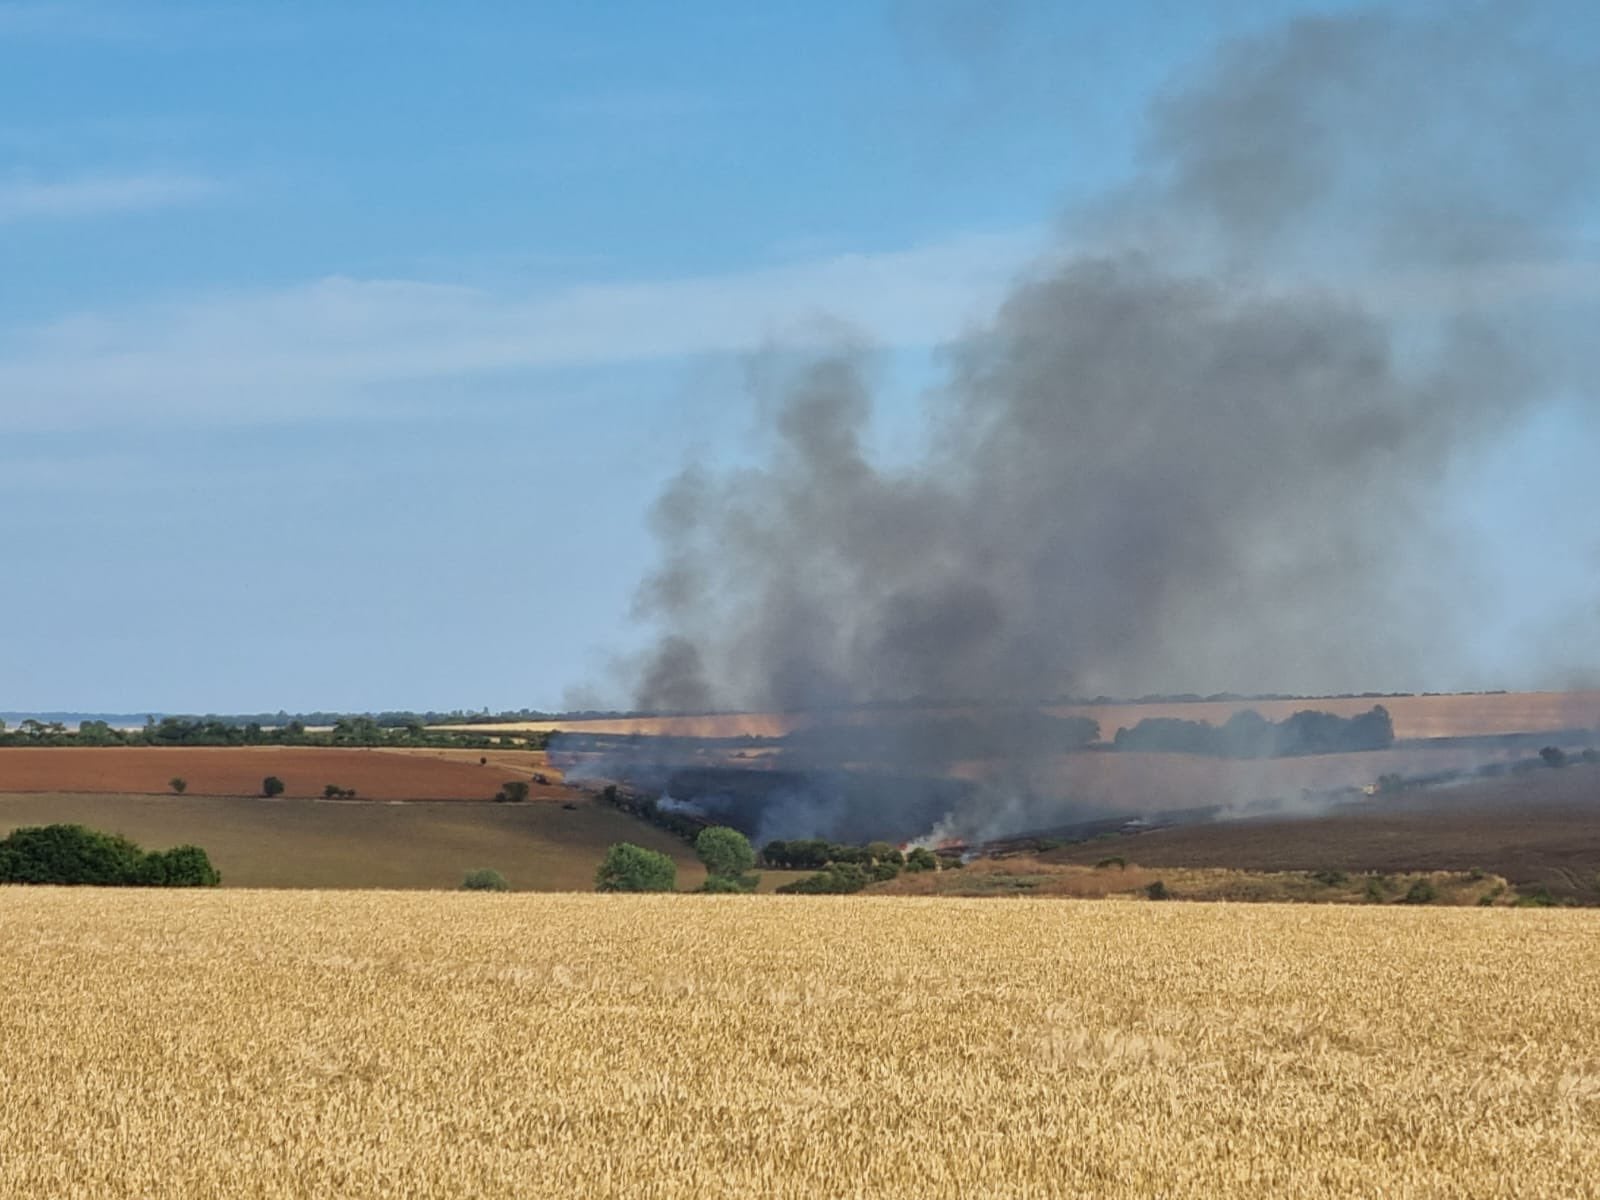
{"x":305,"y":771}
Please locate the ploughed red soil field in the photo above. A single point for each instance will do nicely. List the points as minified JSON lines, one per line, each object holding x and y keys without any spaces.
{"x":1540,"y":828}
{"x":305,"y":771}
{"x":1414,"y":716}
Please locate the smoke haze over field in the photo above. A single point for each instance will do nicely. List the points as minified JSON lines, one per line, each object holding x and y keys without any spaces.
{"x":1201,"y":446}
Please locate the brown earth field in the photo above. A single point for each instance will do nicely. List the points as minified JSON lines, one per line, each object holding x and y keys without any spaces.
{"x":1414,"y":716}
{"x":301,"y":843}
{"x":305,"y":771}
{"x":1540,"y":829}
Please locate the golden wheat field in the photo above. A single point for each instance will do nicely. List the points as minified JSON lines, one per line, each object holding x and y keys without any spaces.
{"x":401,"y":1044}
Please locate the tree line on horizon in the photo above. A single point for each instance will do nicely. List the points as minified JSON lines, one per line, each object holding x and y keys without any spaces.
{"x":1248,"y":734}
{"x":214,"y":731}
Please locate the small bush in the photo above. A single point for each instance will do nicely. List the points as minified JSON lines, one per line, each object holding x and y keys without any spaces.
{"x":182,"y":866}
{"x":1476,"y":874}
{"x":1158,"y":891}
{"x":841,"y":879}
{"x":178,"y":784}
{"x":1116,"y":860}
{"x":271,"y":786}
{"x":630,"y":868}
{"x":1420,"y":892}
{"x":513,"y":791}
{"x":920,"y":858}
{"x":1331,"y":878}
{"x":485,"y":879}
{"x":730,"y":884}
{"x":1554,"y":756}
{"x":1375,"y":892}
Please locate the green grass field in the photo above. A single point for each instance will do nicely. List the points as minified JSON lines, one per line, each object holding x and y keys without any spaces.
{"x":314,"y":844}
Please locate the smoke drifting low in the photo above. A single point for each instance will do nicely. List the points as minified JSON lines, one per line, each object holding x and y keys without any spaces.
{"x":1200,"y":446}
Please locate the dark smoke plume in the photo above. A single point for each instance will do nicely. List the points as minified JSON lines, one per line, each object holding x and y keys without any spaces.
{"x":1199,"y":445}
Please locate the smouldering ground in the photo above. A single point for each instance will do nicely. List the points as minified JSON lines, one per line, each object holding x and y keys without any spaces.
{"x":384,"y":1044}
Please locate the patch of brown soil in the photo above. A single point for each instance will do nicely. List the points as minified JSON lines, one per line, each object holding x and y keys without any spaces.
{"x":239,"y":771}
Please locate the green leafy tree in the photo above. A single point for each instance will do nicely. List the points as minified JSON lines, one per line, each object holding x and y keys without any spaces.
{"x":485,"y":879}
{"x":69,"y":854}
{"x":271,"y":786}
{"x":726,"y":852}
{"x":514,"y":791}
{"x":630,"y":868}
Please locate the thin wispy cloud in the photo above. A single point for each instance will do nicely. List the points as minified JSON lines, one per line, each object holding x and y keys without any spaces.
{"x":338,"y":346}
{"x":26,"y":199}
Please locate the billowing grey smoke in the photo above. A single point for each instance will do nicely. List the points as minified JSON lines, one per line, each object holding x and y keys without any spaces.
{"x":1197,"y":447}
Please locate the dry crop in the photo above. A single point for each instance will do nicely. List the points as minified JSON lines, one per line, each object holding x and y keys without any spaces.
{"x":366,"y":1044}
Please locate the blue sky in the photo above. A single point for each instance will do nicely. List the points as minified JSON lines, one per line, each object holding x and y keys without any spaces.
{"x":344,"y":347}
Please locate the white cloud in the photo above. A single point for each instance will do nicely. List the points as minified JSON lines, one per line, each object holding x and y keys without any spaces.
{"x":24,"y":199}
{"x":335,"y":346}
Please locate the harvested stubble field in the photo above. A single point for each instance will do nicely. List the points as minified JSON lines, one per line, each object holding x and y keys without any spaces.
{"x":316,"y":844}
{"x":319,"y":1044}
